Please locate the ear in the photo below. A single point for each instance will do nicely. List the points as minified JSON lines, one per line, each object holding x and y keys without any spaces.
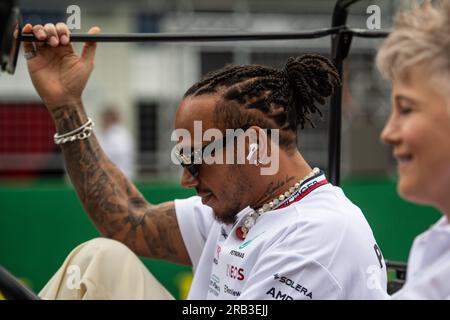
{"x":252,"y":153}
{"x":263,"y":146}
{"x":259,"y":139}
{"x":250,"y":139}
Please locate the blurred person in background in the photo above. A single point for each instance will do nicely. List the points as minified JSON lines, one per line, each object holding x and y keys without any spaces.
{"x":416,"y":59}
{"x":117,"y":141}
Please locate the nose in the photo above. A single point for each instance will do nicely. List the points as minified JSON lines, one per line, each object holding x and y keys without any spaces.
{"x":188,"y":180}
{"x":390,"y":134}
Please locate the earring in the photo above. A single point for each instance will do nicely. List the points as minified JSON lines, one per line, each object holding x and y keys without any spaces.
{"x":251,"y":153}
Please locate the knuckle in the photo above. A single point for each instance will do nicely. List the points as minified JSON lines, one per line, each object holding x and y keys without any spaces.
{"x":37,"y":27}
{"x":49,"y":26}
{"x":61,"y":27}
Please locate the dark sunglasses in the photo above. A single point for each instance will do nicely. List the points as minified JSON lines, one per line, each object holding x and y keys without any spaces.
{"x":193,"y":160}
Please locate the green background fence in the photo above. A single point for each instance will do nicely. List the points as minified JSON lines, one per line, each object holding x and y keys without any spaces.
{"x":41,"y":222}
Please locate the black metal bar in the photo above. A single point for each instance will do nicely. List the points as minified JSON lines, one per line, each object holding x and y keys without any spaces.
{"x":340,"y":44}
{"x":340,"y":12}
{"x":363,"y":33}
{"x":398,"y":266}
{"x":12,"y":289}
{"x":179,"y":37}
{"x":400,"y":269}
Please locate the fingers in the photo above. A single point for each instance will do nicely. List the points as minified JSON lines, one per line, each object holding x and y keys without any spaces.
{"x":55,"y":35}
{"x":39,"y":32}
{"x":28,"y":46}
{"x":52,"y":35}
{"x":88,"y":52}
{"x":63,"y":33}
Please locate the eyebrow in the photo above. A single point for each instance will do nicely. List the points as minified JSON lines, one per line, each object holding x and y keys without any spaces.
{"x":399,"y":98}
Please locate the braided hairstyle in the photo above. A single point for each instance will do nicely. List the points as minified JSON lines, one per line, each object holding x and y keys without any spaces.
{"x":268,"y":97}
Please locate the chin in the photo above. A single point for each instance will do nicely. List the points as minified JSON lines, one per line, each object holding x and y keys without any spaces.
{"x":227,"y":219}
{"x":412,"y":191}
{"x":224,"y":215}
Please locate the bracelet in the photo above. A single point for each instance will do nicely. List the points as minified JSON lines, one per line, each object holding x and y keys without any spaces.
{"x":80,"y":133}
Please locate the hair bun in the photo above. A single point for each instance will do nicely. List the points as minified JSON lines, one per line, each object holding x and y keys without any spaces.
{"x":312,"y":78}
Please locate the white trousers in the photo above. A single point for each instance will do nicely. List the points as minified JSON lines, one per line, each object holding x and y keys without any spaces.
{"x":103,"y":269}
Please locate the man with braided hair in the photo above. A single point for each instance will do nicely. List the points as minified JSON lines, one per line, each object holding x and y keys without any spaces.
{"x":286,"y":235}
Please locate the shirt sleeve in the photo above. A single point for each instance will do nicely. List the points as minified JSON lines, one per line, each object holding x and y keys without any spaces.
{"x":195,"y":221}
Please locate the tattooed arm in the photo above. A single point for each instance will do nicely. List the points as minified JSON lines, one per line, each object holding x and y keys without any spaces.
{"x":114,"y":204}
{"x":117,"y":208}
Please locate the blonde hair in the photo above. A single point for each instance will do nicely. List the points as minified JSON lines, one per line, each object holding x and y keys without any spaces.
{"x":421,"y":35}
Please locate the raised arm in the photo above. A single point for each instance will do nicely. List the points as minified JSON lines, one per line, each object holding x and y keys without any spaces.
{"x":117,"y":208}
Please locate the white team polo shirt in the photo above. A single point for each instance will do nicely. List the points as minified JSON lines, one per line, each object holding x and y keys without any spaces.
{"x":428,"y":273}
{"x":320,"y":247}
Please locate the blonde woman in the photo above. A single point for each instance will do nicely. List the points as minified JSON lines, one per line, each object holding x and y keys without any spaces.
{"x":416,"y":58}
